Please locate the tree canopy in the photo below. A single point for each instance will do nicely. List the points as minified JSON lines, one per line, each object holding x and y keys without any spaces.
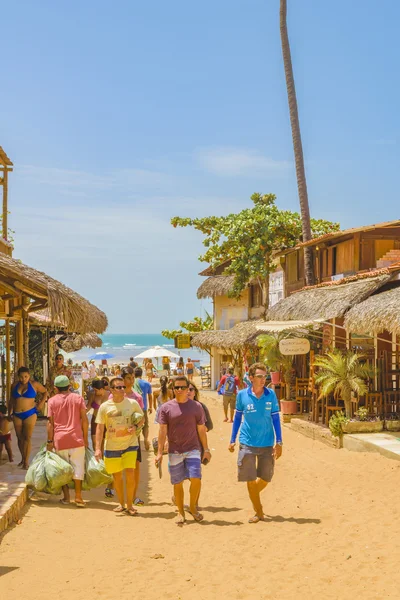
{"x":249,"y":238}
{"x":194,"y":326}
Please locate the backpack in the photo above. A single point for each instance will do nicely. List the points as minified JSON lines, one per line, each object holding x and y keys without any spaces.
{"x":230,"y":386}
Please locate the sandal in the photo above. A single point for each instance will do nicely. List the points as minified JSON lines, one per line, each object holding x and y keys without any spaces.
{"x":119,"y":509}
{"x":80,"y":503}
{"x":109,"y":493}
{"x":197,"y":516}
{"x":255,"y":519}
{"x":138,"y":502}
{"x":65,"y":502}
{"x":180,"y":521}
{"x":131,"y":512}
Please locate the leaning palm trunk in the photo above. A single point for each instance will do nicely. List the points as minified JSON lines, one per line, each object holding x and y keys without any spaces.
{"x":297,"y":145}
{"x":346,"y":395}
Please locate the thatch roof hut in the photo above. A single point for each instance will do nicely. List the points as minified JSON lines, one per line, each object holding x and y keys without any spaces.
{"x":64,"y":306}
{"x":329,"y":300}
{"x":242,"y":334}
{"x":75,"y":342}
{"x":218,"y":285}
{"x":377,"y":313}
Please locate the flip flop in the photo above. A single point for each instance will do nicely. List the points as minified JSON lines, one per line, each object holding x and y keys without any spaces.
{"x":80,"y":504}
{"x":180,"y":521}
{"x":197,"y":516}
{"x":119,"y":509}
{"x":255,"y":519}
{"x":132,"y":512}
{"x":65,"y":502}
{"x":109,"y":493}
{"x":138,"y":502}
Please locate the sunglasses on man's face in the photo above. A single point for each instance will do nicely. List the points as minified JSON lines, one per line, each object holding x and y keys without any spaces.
{"x":118,"y":387}
{"x":259,"y":376}
{"x":180,"y":387}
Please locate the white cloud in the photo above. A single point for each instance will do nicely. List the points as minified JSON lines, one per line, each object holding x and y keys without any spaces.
{"x":229,"y":161}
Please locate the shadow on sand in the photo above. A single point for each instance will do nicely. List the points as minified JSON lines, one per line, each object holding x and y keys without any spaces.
{"x":298,"y":521}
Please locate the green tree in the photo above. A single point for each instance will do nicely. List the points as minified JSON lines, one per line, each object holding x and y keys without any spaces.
{"x":249,"y":238}
{"x":297,"y":144}
{"x":194,"y":326}
{"x":341,"y":373}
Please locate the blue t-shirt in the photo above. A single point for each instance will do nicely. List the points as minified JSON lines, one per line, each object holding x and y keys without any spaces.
{"x":146,"y":389}
{"x":257,"y":428}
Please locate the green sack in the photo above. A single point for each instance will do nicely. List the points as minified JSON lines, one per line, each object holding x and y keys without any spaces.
{"x":58,"y":473}
{"x":36,"y":474}
{"x":95,"y":472}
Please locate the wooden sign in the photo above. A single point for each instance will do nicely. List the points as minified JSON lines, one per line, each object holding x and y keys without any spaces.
{"x":294,"y":346}
{"x":182,"y":341}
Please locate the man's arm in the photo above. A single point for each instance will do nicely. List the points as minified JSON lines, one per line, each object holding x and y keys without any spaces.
{"x":38,"y":387}
{"x":162,"y":436}
{"x":202,"y":433}
{"x":99,"y":440}
{"x":221,"y":383}
{"x":237,"y":421}
{"x":150,"y":401}
{"x":85,"y":426}
{"x":50,"y":433}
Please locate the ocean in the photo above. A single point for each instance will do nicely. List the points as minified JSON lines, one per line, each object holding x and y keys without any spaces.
{"x":125,"y":345}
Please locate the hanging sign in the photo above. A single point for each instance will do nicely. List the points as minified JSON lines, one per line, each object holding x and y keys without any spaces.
{"x":294,"y":346}
{"x":182,"y":341}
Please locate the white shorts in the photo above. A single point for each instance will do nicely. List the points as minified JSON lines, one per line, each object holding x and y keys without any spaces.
{"x":76,"y":458}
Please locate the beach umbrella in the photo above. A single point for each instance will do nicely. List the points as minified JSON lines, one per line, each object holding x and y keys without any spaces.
{"x":101,"y":356}
{"x":157,"y":352}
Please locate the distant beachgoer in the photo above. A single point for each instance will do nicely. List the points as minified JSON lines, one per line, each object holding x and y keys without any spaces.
{"x":92,"y":370}
{"x":258,"y":407}
{"x":183,"y":421}
{"x":85,"y":377}
{"x":104,"y":366}
{"x":5,"y":433}
{"x":164,"y":394}
{"x":59,"y":368}
{"x":96,"y":396}
{"x":189,"y":369}
{"x":132,"y":363}
{"x":150,"y":370}
{"x":67,"y":432}
{"x":180,"y":366}
{"x":24,"y":409}
{"x":166,"y":364}
{"x":122,"y":418}
{"x":147,"y":395}
{"x":231,"y":386}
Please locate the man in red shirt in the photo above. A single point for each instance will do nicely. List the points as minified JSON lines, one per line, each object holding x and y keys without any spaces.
{"x":231,"y":385}
{"x":67,"y":432}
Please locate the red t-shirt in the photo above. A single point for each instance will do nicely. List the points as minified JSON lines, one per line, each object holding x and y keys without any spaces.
{"x":182,"y":419}
{"x":65,"y":408}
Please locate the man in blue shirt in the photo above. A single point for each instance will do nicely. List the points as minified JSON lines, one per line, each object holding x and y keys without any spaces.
{"x":147,"y":395}
{"x":260,"y":436}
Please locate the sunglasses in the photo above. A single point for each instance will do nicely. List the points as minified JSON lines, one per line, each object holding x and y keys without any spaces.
{"x":180,"y":387}
{"x":118,"y":387}
{"x":192,"y":390}
{"x":261,"y":376}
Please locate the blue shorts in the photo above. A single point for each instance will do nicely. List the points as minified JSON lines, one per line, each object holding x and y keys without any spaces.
{"x":184,"y":466}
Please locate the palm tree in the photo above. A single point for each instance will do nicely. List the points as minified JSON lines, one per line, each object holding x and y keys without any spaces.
{"x":297,"y":145}
{"x":341,"y":373}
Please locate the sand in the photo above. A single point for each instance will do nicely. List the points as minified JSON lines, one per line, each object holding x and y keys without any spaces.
{"x":332,"y":531}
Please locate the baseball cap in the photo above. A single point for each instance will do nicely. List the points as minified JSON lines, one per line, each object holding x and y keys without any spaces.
{"x":61,"y":381}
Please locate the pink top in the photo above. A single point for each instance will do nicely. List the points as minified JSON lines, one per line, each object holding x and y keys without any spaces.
{"x":135,"y":396}
{"x":65,"y":408}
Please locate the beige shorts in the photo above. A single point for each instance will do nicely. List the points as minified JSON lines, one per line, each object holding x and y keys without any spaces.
{"x":76,"y":458}
{"x":229,"y":401}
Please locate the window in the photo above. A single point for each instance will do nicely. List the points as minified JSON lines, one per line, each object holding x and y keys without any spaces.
{"x":255,"y":295}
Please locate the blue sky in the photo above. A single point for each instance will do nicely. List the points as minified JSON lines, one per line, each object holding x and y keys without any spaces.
{"x":118,"y":117}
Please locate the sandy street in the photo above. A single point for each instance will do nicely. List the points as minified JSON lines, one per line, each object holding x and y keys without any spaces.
{"x":332,"y":531}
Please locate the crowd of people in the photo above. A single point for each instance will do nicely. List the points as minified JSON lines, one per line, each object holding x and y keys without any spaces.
{"x":120,"y":409}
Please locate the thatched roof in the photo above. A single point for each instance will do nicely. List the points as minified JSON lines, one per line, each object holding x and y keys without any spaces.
{"x":377,"y":313}
{"x":242,"y":334}
{"x":327,"y":301}
{"x":218,"y":285}
{"x":75,"y":342}
{"x":63,"y":304}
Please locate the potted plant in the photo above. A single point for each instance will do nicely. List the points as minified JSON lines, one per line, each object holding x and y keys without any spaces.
{"x":342,"y":373}
{"x":362,"y":423}
{"x":269,"y":346}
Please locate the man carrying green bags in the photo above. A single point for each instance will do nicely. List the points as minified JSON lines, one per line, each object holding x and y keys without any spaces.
{"x":67,"y":433}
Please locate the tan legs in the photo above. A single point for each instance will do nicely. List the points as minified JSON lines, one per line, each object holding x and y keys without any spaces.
{"x":255,"y":488}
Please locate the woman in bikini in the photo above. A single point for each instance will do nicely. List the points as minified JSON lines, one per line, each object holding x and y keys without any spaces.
{"x":24,"y":408}
{"x":149,"y":370}
{"x":189,"y":369}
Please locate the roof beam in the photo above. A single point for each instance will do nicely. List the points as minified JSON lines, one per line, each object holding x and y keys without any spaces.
{"x":30,"y":291}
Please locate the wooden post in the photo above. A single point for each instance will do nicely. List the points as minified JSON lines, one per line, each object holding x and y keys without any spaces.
{"x":8,"y":361}
{"x":5,"y":203}
{"x":20,"y":343}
